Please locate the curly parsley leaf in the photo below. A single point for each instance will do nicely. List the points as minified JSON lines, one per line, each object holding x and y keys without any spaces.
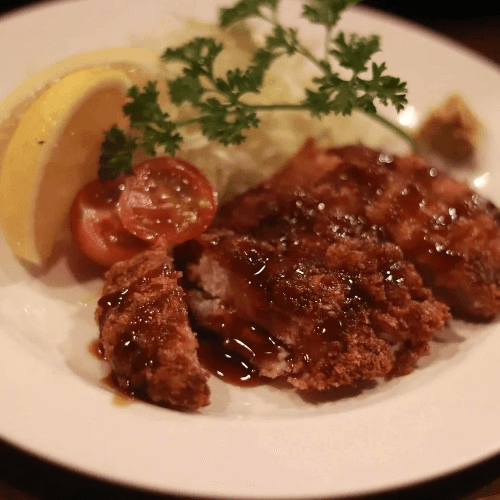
{"x":116,"y":154}
{"x":326,"y":12}
{"x":355,"y":52}
{"x":226,"y":125}
{"x":147,"y":117}
{"x":349,"y":80}
{"x":335,"y":94}
{"x":153,"y":128}
{"x":244,"y":10}
{"x":199,"y":55}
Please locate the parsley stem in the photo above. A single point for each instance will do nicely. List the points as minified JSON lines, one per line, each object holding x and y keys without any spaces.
{"x":396,"y":129}
{"x":327,"y":42}
{"x":188,"y":121}
{"x":301,"y":49}
{"x":276,"y":107}
{"x":384,"y":121}
{"x":300,"y":107}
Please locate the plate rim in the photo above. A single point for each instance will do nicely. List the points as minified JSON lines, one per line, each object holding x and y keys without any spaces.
{"x":209,"y":421}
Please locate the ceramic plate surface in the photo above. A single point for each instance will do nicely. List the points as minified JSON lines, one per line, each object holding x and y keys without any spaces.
{"x":250,"y":443}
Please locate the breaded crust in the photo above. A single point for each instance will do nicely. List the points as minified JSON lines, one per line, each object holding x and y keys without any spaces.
{"x":345,"y":304}
{"x":448,"y":231}
{"x":145,"y":333}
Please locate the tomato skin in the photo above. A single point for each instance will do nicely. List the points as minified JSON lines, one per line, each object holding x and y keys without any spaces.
{"x":96,"y":227}
{"x":167,"y":200}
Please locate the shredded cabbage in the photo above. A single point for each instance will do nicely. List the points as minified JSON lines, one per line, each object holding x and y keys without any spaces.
{"x":234,"y":169}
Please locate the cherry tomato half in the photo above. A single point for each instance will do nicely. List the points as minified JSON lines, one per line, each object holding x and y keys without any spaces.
{"x":167,"y":200}
{"x":96,"y":227}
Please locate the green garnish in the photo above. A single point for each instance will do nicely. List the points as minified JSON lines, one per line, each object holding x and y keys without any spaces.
{"x":224,"y":116}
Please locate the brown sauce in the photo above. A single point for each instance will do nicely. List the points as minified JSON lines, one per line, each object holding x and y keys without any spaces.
{"x":137,"y":346}
{"x":120,"y":397}
{"x":231,"y":346}
{"x":95,"y":349}
{"x":414,"y":199}
{"x":227,"y":365}
{"x":229,"y":353}
{"x":228,"y":359}
{"x":222,"y":362}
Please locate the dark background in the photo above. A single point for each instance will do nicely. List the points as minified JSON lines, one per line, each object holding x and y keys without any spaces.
{"x":474,"y":24}
{"x":420,"y":10}
{"x":427,"y":11}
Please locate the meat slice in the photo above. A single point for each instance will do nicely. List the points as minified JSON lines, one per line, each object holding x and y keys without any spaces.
{"x":447,"y":230}
{"x":145,"y":333}
{"x":342,"y":305}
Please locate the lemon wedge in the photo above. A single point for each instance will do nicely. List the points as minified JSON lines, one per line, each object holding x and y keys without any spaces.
{"x":54,"y":147}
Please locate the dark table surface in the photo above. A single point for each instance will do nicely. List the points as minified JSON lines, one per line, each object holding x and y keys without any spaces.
{"x":25,"y":477}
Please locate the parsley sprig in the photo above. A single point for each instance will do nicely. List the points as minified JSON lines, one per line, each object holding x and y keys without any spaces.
{"x":223,"y":113}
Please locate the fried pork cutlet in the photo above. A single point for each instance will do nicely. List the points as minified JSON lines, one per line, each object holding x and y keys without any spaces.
{"x":342,"y":305}
{"x":337,"y":270}
{"x":145,"y":333}
{"x":448,"y":231}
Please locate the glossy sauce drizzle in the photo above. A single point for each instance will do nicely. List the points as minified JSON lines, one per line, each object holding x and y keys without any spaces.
{"x":141,"y":338}
{"x":120,"y":398}
{"x":229,"y":366}
{"x":231,"y":352}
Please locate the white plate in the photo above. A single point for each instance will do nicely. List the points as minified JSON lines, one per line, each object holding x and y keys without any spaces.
{"x":250,"y":443}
